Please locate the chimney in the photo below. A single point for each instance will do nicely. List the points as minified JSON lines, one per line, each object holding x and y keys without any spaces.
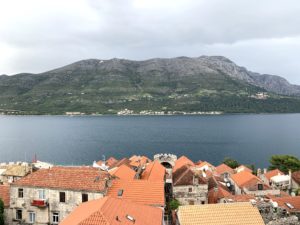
{"x":265,"y":170}
{"x":259,"y":172}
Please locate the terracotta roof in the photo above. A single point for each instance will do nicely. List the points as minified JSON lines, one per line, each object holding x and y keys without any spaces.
{"x":245,"y":179}
{"x":111,"y":161}
{"x":223,"y":168}
{"x":112,"y":211}
{"x":154,"y":172}
{"x":123,"y":172}
{"x":273,"y":173}
{"x":182,"y":161}
{"x":139,"y":191}
{"x":202,"y":164}
{"x":138,"y":160}
{"x":121,"y":162}
{"x":284,"y":201}
{"x":216,"y":214}
{"x":215,"y":194}
{"x":16,"y":170}
{"x":240,"y":198}
{"x":242,"y":168}
{"x":4,"y":194}
{"x":296,"y":176}
{"x":68,"y":178}
{"x":185,"y":176}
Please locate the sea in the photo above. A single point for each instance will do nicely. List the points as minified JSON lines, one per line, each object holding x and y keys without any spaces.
{"x":80,"y":140}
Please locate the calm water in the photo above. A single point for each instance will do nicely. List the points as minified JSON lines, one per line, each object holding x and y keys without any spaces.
{"x":80,"y":140}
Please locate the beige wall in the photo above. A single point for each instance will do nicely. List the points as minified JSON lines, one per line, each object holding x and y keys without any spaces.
{"x":73,"y":199}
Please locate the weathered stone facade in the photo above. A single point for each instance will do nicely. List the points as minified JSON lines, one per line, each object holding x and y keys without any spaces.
{"x":191,"y":194}
{"x":44,"y":214}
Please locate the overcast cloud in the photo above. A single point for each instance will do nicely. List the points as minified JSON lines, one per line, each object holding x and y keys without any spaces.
{"x":39,"y":35}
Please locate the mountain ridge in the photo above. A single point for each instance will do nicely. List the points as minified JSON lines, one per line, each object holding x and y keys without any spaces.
{"x":181,"y":83}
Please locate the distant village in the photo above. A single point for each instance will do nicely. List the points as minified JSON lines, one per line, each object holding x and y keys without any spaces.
{"x":164,"y":190}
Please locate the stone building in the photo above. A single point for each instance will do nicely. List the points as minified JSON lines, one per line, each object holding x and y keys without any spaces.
{"x":49,"y":195}
{"x":189,"y":186}
{"x":296,"y":180}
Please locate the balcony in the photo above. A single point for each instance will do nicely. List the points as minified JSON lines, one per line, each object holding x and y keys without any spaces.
{"x":39,"y":203}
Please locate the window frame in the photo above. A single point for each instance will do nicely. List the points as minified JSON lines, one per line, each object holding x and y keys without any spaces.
{"x":83,"y":199}
{"x":62,"y":196}
{"x":18,"y":217}
{"x":55,"y":217}
{"x":43,"y":191}
{"x":20,"y":192}
{"x":32,"y":217}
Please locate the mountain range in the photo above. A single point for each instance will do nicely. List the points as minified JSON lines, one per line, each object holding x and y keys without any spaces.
{"x":182,"y":84}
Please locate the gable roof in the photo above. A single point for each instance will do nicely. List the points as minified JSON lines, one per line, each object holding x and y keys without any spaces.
{"x":182,"y":161}
{"x":112,"y":211}
{"x":16,"y":170}
{"x":296,"y":176}
{"x":137,"y":160}
{"x":216,"y":214}
{"x":154,"y":172}
{"x":123,"y":172}
{"x":110,"y":161}
{"x":203,"y":164}
{"x":284,"y":201}
{"x":139,"y":191}
{"x":68,"y":178}
{"x":223,"y":168}
{"x":185,"y":176}
{"x":4,"y":194}
{"x":215,"y":194}
{"x":242,"y":168}
{"x":120,"y":162}
{"x":273,"y":173}
{"x":245,"y":179}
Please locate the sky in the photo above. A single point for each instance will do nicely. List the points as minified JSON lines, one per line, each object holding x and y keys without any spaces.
{"x":261,"y":35}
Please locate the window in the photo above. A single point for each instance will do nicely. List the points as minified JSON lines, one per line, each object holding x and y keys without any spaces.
{"x":20,"y":193}
{"x":31,"y":217}
{"x":260,"y":187}
{"x":85,"y":197}
{"x":55,"y":217}
{"x":202,"y":202}
{"x":42,"y":194}
{"x":190,"y":189}
{"x":120,"y":192}
{"x":19,"y":214}
{"x":62,"y":196}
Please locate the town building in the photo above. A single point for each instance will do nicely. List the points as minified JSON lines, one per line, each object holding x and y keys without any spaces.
{"x":49,"y":195}
{"x":114,"y":211}
{"x":139,"y":191}
{"x":224,"y":171}
{"x":216,"y":214}
{"x":296,"y":180}
{"x":123,"y":172}
{"x":182,"y":161}
{"x":154,"y":171}
{"x":246,"y":183}
{"x":190,"y":186}
{"x":4,"y":196}
{"x":11,"y":172}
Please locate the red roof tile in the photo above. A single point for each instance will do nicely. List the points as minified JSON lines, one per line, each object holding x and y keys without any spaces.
{"x":283,"y":203}
{"x":245,"y":179}
{"x":68,"y":178}
{"x":113,"y":211}
{"x":182,"y":161}
{"x":139,"y":191}
{"x":154,"y":172}
{"x":223,"y":168}
{"x":4,"y":194}
{"x":273,"y":173}
{"x":185,"y":176}
{"x":123,"y":172}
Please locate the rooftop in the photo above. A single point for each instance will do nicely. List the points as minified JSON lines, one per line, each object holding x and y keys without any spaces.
{"x":216,"y":214}
{"x":185,"y":176}
{"x":296,"y":176}
{"x":245,"y":178}
{"x":182,"y":161}
{"x":273,"y":173}
{"x":67,"y":178}
{"x":223,"y":168}
{"x":139,"y":191}
{"x":291,"y":204}
{"x":154,"y":172}
{"x":123,"y":172}
{"x":112,"y":211}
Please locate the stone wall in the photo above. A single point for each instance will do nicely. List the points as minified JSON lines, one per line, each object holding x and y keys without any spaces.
{"x":44,"y":214}
{"x":191,"y":194}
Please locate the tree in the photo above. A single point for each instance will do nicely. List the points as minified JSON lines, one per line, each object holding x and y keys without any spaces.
{"x":231,"y":162}
{"x":174,"y":204}
{"x":284,"y":163}
{"x":1,"y":212}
